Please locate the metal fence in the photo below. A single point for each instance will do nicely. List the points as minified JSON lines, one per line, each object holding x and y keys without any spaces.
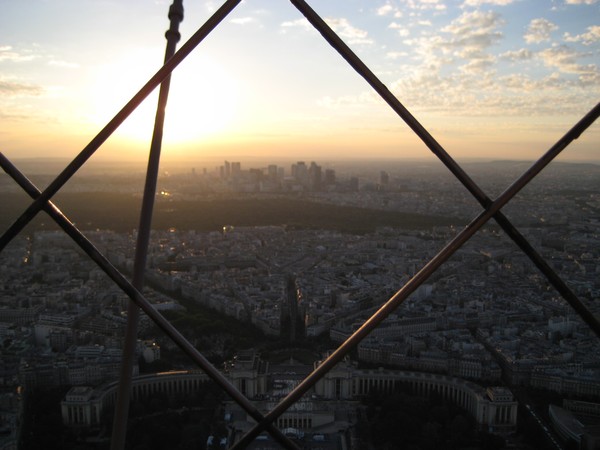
{"x":42,"y":201}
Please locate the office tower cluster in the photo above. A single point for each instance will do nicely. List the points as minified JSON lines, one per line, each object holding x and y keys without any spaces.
{"x":301,"y":177}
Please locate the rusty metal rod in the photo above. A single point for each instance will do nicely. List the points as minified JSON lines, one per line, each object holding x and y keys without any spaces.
{"x":421,"y":276}
{"x":119,"y":430}
{"x":116,"y":121}
{"x":113,"y":273}
{"x":356,"y":63}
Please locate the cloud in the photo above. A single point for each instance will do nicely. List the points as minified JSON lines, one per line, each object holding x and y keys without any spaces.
{"x":348,"y":32}
{"x":385,"y":10}
{"x":389,"y":10}
{"x":298,"y":23}
{"x":470,"y":36}
{"x":457,"y":69}
{"x":474,"y":29}
{"x":539,"y":30}
{"x":11,"y":88}
{"x":402,"y":29}
{"x":518,"y":82}
{"x":591,"y":36}
{"x":478,"y":64}
{"x":467,"y":94}
{"x":564,"y":59}
{"x":581,"y":2}
{"x":473,"y":91}
{"x":242,"y":20}
{"x":437,"y":5}
{"x":426,"y":50}
{"x":487,"y":2}
{"x":8,"y":54}
{"x":522,"y":54}
{"x":466,"y":41}
{"x":341,"y":26}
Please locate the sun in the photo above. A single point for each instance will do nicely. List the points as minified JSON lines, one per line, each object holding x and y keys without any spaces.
{"x":202,"y":102}
{"x":202,"y":99}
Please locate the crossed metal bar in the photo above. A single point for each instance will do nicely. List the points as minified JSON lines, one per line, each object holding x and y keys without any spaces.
{"x":135,"y":295}
{"x":491,"y":209}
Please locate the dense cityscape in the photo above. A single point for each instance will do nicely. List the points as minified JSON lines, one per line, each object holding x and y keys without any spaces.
{"x":487,"y":332}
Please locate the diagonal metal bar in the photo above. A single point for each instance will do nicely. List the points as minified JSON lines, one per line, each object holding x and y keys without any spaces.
{"x":419,"y":278}
{"x":116,"y":121}
{"x":119,"y":431}
{"x":356,"y":63}
{"x":134,"y":294}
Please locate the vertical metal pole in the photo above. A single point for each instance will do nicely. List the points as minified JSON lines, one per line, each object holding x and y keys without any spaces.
{"x":141,"y":252}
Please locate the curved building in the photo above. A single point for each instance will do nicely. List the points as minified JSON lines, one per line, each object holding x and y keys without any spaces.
{"x":493,"y":408}
{"x":84,"y":406}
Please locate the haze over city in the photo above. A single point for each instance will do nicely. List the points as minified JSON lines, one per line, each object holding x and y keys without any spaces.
{"x":489,"y":78}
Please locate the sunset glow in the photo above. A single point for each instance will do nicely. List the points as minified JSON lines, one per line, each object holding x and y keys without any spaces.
{"x":202,"y":100}
{"x":488,"y":78}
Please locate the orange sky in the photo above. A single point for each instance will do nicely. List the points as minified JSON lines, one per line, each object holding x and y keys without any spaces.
{"x":488,"y":79}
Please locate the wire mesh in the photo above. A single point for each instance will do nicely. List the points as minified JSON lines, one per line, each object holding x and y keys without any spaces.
{"x":491,"y":209}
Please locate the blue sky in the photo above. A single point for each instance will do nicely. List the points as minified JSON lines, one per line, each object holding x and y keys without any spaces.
{"x":488,"y":78}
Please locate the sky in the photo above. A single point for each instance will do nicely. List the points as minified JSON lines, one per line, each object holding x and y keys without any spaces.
{"x":492,"y":79}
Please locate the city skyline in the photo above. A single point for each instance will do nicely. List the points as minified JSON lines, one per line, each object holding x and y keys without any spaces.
{"x":486,"y":316}
{"x":485,"y":77}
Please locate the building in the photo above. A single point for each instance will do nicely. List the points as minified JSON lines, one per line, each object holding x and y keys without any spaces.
{"x":581,"y":429}
{"x":493,"y":409}
{"x":84,"y":406}
{"x":332,"y":403}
